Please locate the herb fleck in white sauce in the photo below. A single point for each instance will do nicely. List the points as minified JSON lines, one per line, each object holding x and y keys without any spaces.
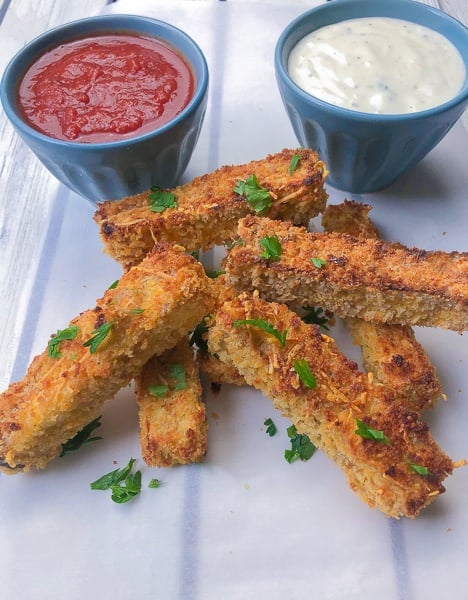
{"x":378,"y":65}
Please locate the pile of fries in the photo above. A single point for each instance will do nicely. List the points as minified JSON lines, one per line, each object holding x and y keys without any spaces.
{"x":167,"y":320}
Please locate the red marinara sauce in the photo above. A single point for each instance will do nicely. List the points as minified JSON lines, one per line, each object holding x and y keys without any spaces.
{"x":105,"y":88}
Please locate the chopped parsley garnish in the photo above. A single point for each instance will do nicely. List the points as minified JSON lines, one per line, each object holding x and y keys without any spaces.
{"x":315,"y":315}
{"x":197,"y":336}
{"x":371,"y":434}
{"x":155,"y":483}
{"x":124,"y":484}
{"x":160,"y":200}
{"x":138,"y":311}
{"x":420,"y":470}
{"x":125,"y":491}
{"x":257,"y":196}
{"x":82,"y":437}
{"x":267,"y":327}
{"x":271,"y":247}
{"x":98,"y":336}
{"x":113,"y":285}
{"x":158,"y":390}
{"x":195,"y":254}
{"x":302,"y":368}
{"x":213,"y":274}
{"x":301,"y":446}
{"x":53,"y":347}
{"x":178,"y":374}
{"x":270,"y":427}
{"x":294,"y":162}
{"x":318,"y":262}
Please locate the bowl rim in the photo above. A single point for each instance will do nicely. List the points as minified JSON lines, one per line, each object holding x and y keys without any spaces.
{"x":346,"y":113}
{"x":72,"y":30}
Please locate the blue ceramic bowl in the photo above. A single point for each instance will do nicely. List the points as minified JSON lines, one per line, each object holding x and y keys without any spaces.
{"x":367,"y":152}
{"x":115,"y":169}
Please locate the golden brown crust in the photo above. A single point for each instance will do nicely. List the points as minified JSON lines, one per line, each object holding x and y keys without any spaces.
{"x":218,"y":372}
{"x":173,"y":428}
{"x":350,"y":217}
{"x":390,"y":352}
{"x":380,"y":473}
{"x":396,"y":359}
{"x":208,"y":209}
{"x":153,"y":306}
{"x":371,"y":279}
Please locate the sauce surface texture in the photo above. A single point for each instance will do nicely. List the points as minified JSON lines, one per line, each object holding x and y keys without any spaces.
{"x":105,"y":88}
{"x":378,"y":65}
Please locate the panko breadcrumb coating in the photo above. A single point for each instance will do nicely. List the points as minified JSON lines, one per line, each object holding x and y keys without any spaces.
{"x":152,"y":307}
{"x":216,"y":371}
{"x":385,"y":474}
{"x":207,"y":209}
{"x":356,"y":277}
{"x":390,"y":352}
{"x":172,"y":415}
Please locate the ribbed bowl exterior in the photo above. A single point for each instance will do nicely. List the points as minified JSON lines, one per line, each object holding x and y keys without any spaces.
{"x":365,"y":152}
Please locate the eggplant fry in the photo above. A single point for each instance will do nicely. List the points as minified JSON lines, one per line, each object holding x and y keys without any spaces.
{"x":390,"y":352}
{"x":401,"y":472}
{"x":172,"y":415}
{"x":352,"y":276}
{"x":205,"y":211}
{"x":153,"y":306}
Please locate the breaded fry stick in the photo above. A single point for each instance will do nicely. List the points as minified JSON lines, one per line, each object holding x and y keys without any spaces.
{"x":390,"y":352}
{"x":207,"y":209}
{"x":384,"y":474}
{"x":370,"y":279}
{"x":153,"y":306}
{"x":173,"y":425}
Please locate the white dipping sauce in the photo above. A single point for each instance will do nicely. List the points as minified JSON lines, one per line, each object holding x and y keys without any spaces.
{"x":378,"y":65}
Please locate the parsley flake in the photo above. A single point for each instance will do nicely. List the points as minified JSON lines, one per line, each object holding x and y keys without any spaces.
{"x":197,"y":338}
{"x":301,"y":446}
{"x":178,"y":374}
{"x":318,"y":262}
{"x":271,"y":247}
{"x":160,"y":200}
{"x":213,"y":274}
{"x":113,"y":478}
{"x":371,"y":434}
{"x":131,"y":487}
{"x":155,"y":483}
{"x":315,"y":315}
{"x":257,"y":196}
{"x":158,"y":390}
{"x":270,"y":427}
{"x":123,"y":484}
{"x":302,"y":368}
{"x":98,"y":336}
{"x":82,"y":437}
{"x":53,"y":346}
{"x":113,"y":285}
{"x":420,"y":470}
{"x":294,"y":162}
{"x":267,"y":327}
